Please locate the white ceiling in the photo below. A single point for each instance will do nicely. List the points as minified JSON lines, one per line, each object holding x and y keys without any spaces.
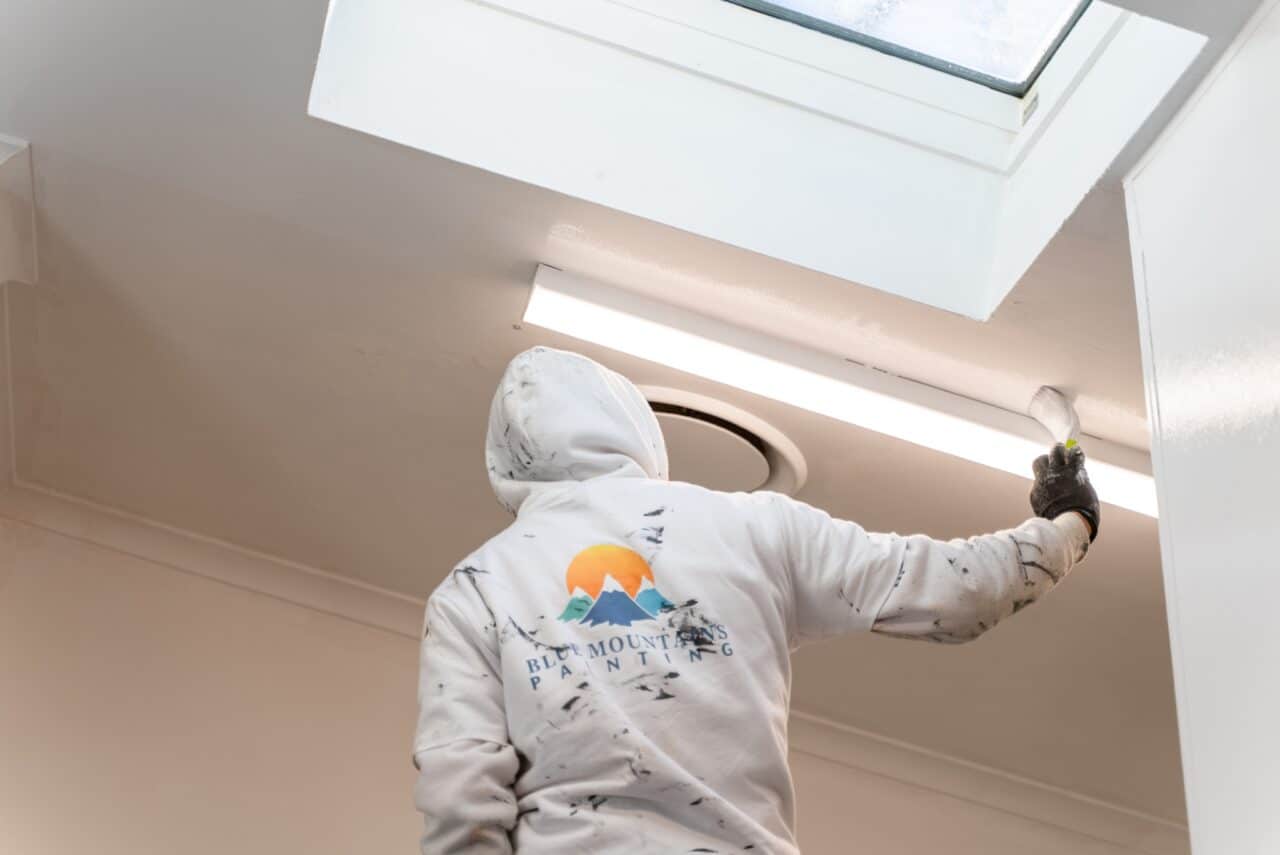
{"x":267,"y":329}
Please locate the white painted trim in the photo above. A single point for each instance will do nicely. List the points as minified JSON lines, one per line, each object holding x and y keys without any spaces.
{"x":1169,"y":574}
{"x":983,"y":785}
{"x":1191,"y":773}
{"x":187,"y":552}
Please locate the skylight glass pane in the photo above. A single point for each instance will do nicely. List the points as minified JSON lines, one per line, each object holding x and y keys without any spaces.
{"x":1000,"y":43}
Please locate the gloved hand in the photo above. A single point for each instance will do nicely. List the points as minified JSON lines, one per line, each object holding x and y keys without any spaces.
{"x":1062,"y":485}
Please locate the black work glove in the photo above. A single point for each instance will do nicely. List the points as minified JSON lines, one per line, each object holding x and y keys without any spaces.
{"x":1062,"y":485}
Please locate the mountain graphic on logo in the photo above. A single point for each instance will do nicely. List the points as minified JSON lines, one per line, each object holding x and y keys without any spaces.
{"x":616,"y":608}
{"x":651,"y":600}
{"x":577,"y":608}
{"x":611,"y":585}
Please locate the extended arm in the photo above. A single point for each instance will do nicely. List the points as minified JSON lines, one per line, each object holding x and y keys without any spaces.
{"x":953,"y":591}
{"x":845,"y":579}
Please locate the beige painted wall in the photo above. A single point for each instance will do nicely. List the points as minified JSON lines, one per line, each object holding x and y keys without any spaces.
{"x":152,"y":711}
{"x":144,"y":709}
{"x":845,"y":811}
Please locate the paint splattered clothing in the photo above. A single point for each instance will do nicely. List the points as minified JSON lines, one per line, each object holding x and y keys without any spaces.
{"x":611,"y":674}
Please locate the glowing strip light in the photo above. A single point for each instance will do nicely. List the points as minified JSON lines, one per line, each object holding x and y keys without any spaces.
{"x":821,"y":384}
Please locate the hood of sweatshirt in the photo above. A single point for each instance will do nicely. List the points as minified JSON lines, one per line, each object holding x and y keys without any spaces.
{"x":558,"y":418}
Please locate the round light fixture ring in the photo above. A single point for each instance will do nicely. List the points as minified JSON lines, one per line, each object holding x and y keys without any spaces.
{"x":788,"y":470}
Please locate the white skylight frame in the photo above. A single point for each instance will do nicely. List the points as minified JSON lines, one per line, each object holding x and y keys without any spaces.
{"x":728,"y":124}
{"x":863,"y":397}
{"x":851,"y":83}
{"x":803,"y":14}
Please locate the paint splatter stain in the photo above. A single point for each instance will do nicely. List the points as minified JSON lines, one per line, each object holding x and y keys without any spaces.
{"x":663,"y":695}
{"x":636,"y":769}
{"x":653,"y":534}
{"x":656,"y":512}
{"x":469,"y":573}
{"x":1026,"y":562}
{"x":528,"y":636}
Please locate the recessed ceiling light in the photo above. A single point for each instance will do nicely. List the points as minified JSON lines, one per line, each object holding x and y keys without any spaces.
{"x":822,"y":384}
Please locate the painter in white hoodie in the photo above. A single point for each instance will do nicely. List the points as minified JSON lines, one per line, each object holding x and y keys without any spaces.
{"x":611,"y":673}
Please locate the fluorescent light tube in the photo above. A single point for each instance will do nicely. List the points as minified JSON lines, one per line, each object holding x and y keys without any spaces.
{"x":821,"y":384}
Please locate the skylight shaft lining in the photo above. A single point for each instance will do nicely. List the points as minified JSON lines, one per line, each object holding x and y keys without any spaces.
{"x":916,"y":40}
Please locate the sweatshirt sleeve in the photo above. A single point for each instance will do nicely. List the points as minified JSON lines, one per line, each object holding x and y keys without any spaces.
{"x":844,"y":579}
{"x":466,"y":767}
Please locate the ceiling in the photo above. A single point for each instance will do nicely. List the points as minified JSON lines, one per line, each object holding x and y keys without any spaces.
{"x":267,"y":329}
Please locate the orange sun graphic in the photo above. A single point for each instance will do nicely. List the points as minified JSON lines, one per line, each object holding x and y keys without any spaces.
{"x":591,"y":565}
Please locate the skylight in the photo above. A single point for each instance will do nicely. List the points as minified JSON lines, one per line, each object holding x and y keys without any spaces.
{"x":1003,"y":44}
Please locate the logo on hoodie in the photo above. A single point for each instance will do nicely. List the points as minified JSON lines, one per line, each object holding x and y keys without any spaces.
{"x":613,"y":585}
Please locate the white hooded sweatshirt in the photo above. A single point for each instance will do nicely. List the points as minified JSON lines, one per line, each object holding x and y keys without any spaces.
{"x":611,"y":673}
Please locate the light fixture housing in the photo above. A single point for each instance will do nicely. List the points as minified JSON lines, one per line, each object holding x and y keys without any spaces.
{"x":820,"y":383}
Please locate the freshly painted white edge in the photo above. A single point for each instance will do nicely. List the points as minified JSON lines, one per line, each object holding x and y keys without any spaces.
{"x":17,"y":212}
{"x":188,"y":552}
{"x":1168,"y":556}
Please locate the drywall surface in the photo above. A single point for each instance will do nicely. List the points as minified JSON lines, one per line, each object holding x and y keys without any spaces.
{"x":148,"y":710}
{"x":151,"y":710}
{"x":844,"y":810}
{"x":1207,"y":267}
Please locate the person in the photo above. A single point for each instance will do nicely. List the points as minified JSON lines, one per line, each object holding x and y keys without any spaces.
{"x":610,"y":674}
